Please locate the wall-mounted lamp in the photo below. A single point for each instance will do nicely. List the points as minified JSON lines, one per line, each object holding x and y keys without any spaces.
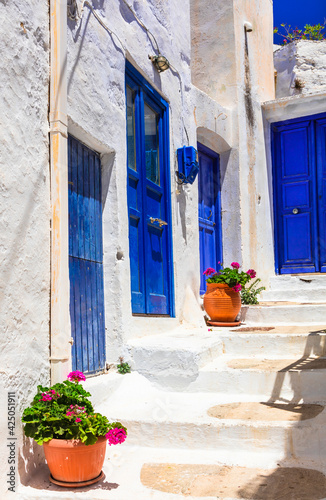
{"x":247,"y":26}
{"x":160,"y":62}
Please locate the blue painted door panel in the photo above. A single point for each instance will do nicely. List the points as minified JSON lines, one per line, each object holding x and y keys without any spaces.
{"x":209,"y":212}
{"x":300,"y":198}
{"x":86,"y":258}
{"x":321,"y":173}
{"x":148,"y":199}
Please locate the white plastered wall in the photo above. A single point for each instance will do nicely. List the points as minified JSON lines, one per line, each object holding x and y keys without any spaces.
{"x":24,"y":219}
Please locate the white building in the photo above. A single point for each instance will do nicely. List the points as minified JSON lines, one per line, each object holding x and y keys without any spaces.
{"x":89,"y":135}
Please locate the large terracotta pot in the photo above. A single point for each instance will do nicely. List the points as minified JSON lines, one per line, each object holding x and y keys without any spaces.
{"x":72,"y":461}
{"x":221,"y":303}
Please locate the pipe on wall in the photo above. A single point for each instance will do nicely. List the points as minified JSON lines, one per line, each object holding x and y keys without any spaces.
{"x":60,"y":331}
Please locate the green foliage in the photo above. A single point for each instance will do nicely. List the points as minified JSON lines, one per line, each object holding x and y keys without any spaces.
{"x":229,"y":276}
{"x":123,"y":367}
{"x":64,"y":411}
{"x":249,"y":295}
{"x":310,"y":32}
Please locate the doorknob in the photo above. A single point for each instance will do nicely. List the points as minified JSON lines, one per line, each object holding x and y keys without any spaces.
{"x":160,"y":221}
{"x":295,"y":211}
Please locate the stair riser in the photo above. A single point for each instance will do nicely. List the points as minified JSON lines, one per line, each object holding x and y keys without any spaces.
{"x":313,"y":295}
{"x":292,"y":386}
{"x":284,"y":315}
{"x":273,"y":346}
{"x":308,"y":282}
{"x":187,"y":363}
{"x":279,"y":441}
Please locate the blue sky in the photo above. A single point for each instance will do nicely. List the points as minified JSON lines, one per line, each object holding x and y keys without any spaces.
{"x":298,"y":13}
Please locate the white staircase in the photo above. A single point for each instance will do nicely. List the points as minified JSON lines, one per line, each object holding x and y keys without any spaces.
{"x":217,"y":413}
{"x":291,"y":299}
{"x":303,"y":288}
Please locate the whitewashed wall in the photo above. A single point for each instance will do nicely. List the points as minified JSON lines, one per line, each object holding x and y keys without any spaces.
{"x":301,"y":68}
{"x":24,"y":213}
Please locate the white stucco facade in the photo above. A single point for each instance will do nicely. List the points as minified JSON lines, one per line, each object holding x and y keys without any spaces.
{"x":221,"y":75}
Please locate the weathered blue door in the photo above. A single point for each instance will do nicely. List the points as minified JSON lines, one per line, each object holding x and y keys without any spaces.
{"x":209,"y":212}
{"x":86,"y":258}
{"x":148,"y":198}
{"x":299,"y":195}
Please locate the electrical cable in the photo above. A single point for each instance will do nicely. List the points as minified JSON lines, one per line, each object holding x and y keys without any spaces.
{"x":143,"y":25}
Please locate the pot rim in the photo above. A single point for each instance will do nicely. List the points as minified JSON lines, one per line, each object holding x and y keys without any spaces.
{"x":71,"y":443}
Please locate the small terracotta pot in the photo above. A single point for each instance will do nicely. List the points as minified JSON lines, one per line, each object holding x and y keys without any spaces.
{"x":221,"y":302}
{"x":73,"y":461}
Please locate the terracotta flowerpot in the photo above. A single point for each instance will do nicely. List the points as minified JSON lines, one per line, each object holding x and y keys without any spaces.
{"x":221,"y":303}
{"x":72,"y":461}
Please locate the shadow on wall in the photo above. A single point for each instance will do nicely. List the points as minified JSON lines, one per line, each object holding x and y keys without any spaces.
{"x":30,"y":459}
{"x":107,"y":162}
{"x":182,"y":205}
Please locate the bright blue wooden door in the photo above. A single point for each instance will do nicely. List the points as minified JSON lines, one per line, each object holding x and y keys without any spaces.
{"x":209,"y":212}
{"x":299,"y":195}
{"x":86,"y":258}
{"x":321,"y":189}
{"x":148,"y":198}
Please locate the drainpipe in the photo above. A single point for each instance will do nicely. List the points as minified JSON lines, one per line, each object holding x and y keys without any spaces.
{"x":60,"y":332}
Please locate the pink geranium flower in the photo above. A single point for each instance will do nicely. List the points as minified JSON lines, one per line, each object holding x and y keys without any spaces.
{"x":237,"y":288}
{"x":116,"y":435}
{"x":78,"y":420}
{"x":209,"y":271}
{"x":235,"y":265}
{"x":76,"y":376}
{"x":251,"y":273}
{"x":45,"y":397}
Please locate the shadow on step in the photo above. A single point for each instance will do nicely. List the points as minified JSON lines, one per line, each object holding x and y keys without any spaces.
{"x":309,"y":361}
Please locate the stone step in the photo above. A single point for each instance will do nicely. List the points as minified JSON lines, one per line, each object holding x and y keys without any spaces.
{"x":273,"y":341}
{"x":316,"y":295}
{"x":298,"y":281}
{"x":144,"y":473}
{"x":178,"y":355}
{"x":268,"y":379}
{"x":284,"y":313}
{"x":158,"y":418}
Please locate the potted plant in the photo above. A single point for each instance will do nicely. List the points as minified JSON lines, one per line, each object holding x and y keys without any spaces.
{"x":222,"y":300}
{"x":73,"y":435}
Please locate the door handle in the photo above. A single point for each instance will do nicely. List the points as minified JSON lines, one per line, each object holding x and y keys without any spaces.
{"x":210,"y":215}
{"x":160,"y":221}
{"x":295,"y":211}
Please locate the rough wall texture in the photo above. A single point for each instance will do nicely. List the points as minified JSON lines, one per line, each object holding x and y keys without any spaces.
{"x":24,"y":209}
{"x":301,"y":68}
{"x":254,"y":59}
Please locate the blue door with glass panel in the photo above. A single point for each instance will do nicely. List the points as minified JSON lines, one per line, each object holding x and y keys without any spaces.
{"x":299,"y":170}
{"x":209,"y":212}
{"x":148,"y":198}
{"x":86,"y":258}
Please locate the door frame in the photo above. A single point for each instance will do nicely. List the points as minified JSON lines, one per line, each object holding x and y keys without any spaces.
{"x":313,"y":157}
{"x":218,"y":206}
{"x":134,"y":78}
